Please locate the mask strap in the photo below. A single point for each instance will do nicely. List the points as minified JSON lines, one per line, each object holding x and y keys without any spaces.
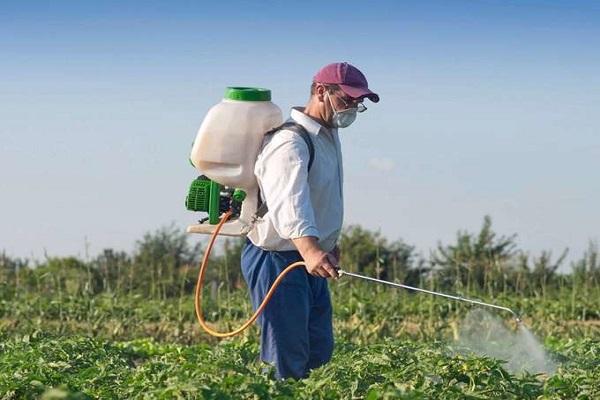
{"x":331,"y":103}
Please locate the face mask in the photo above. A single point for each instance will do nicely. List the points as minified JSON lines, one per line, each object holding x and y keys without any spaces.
{"x":344,"y":118}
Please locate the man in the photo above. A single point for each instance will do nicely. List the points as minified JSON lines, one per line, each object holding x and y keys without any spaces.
{"x":303,"y":222}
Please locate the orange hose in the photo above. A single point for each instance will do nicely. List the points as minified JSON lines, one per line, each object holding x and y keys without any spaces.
{"x":200,"y":283}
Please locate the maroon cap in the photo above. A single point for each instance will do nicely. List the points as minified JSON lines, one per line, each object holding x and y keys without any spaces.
{"x":349,"y":79}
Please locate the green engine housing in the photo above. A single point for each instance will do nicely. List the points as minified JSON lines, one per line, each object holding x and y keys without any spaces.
{"x":205,"y":195}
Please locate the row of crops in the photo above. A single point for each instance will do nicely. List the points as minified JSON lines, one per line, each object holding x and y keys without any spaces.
{"x":82,"y":367}
{"x":390,"y":344}
{"x":362,"y":314}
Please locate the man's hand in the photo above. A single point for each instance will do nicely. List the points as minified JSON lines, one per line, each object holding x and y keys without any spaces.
{"x":321,"y":264}
{"x":318,"y":262}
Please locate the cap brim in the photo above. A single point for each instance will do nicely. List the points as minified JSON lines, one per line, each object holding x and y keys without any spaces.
{"x":358,"y":92}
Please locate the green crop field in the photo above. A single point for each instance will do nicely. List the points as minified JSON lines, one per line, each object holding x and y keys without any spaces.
{"x":123,"y":326}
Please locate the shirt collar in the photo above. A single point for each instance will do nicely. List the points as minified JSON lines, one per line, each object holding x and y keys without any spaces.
{"x":312,"y":126}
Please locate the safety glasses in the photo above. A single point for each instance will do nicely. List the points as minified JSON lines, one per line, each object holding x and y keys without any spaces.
{"x":358,"y":104}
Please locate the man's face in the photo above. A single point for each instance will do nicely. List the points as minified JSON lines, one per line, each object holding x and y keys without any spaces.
{"x":342,"y":108}
{"x":334,"y":100}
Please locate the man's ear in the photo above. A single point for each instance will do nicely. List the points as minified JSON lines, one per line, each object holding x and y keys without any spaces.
{"x":320,"y":91}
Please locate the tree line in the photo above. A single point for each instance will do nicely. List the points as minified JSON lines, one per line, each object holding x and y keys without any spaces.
{"x":164,"y":264}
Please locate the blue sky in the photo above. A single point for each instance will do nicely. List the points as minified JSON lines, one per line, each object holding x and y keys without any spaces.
{"x":488,"y":107}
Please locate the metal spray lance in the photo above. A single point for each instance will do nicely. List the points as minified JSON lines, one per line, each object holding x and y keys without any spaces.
{"x":448,"y":296}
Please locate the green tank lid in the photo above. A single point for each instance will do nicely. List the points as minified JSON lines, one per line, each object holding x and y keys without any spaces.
{"x":247,"y":94}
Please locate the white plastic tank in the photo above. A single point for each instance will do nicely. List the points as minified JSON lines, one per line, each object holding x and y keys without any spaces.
{"x":231,"y":134}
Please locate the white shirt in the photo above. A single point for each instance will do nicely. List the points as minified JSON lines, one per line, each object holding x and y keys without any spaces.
{"x":300,"y":204}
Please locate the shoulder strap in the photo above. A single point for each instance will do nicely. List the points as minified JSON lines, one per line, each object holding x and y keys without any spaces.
{"x":300,"y":130}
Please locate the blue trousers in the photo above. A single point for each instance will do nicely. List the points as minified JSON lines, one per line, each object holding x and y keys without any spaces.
{"x":296,"y":325}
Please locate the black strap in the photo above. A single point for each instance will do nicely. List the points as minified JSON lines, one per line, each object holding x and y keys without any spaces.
{"x":300,"y":130}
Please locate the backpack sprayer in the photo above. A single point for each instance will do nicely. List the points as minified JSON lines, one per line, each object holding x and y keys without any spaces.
{"x":225,"y":150}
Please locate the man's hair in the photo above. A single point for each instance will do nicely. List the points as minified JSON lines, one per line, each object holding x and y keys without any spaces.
{"x":330,"y":87}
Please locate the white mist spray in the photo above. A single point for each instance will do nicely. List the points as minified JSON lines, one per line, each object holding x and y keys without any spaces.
{"x":487,"y":335}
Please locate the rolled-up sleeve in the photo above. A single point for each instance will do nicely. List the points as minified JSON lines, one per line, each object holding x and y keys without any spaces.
{"x":282,"y":175}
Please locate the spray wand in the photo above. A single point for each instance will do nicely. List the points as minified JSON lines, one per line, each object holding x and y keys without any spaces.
{"x":459,"y":298}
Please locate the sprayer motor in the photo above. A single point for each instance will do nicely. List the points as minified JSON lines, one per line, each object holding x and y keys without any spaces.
{"x":213,"y":198}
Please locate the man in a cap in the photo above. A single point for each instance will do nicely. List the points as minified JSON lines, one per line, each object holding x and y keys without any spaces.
{"x":299,"y":172}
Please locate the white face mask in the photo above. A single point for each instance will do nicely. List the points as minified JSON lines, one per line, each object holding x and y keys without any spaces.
{"x":343,"y":118}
